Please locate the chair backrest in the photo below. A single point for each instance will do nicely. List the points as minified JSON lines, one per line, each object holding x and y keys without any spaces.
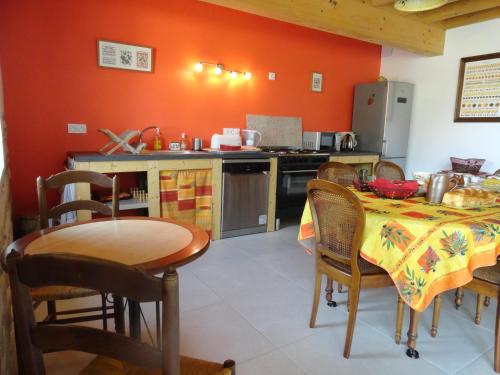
{"x":389,"y":171}
{"x":31,"y":271}
{"x":339,"y":221}
{"x":497,"y":173}
{"x":70,"y":177}
{"x":340,"y":173}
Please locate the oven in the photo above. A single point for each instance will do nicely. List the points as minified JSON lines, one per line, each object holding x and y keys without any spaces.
{"x":294,"y":171}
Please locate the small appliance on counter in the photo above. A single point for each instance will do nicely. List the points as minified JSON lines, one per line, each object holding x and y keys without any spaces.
{"x":345,"y":141}
{"x":228,"y":140}
{"x":316,"y":141}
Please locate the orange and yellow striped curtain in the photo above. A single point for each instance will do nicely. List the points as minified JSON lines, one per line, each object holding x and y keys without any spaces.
{"x":187,"y":196}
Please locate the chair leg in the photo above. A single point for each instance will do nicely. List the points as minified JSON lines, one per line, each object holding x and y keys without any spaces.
{"x":329,"y":293}
{"x":317,"y":295}
{"x":353,"y":310}
{"x":486,"y":301}
{"x":119,"y":315}
{"x":496,"y":354}
{"x":339,"y":287}
{"x":479,"y":308}
{"x":459,"y":295}
{"x":435,"y":315}
{"x":104,"y":311}
{"x":51,"y":311}
{"x":399,"y":319}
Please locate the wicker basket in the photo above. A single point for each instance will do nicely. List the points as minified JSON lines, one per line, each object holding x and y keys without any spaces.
{"x":394,"y":189}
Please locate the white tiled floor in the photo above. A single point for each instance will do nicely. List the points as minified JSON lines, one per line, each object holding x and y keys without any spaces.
{"x":249,"y":299}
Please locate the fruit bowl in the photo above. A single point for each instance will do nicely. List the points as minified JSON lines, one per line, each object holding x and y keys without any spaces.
{"x":394,"y":189}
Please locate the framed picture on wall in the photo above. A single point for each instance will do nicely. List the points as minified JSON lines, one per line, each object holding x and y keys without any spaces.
{"x":317,"y":82}
{"x":124,"y":56}
{"x":478,"y":93}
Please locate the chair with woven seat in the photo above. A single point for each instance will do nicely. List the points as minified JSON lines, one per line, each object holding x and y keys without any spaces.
{"x":342,"y":174}
{"x":339,"y":221}
{"x":486,"y":283}
{"x":388,"y":170}
{"x":116,"y":354}
{"x":51,"y":294}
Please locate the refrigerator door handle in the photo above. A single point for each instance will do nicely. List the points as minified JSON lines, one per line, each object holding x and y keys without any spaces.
{"x":384,"y":147}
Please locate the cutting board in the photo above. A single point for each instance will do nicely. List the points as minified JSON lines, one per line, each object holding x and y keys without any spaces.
{"x":277,"y":131}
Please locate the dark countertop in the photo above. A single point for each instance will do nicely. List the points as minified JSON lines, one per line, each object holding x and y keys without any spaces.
{"x":174,"y":155}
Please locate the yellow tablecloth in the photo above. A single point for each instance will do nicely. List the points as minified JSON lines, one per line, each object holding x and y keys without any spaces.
{"x":426,"y":249}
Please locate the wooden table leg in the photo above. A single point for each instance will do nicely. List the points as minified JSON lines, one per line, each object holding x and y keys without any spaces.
{"x":413,"y":334}
{"x":172,"y":362}
{"x":134,"y":316}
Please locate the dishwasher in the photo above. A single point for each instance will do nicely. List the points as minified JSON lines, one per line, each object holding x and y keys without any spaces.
{"x":245,"y":195}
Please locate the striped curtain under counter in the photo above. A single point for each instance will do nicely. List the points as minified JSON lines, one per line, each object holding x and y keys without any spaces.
{"x":187,"y":196}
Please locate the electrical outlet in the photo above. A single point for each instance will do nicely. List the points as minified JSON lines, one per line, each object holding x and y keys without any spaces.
{"x":272,"y":76}
{"x":231,"y":131}
{"x":77,"y":128}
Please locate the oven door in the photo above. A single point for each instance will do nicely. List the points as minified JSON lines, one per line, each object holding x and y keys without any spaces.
{"x":292,"y":188}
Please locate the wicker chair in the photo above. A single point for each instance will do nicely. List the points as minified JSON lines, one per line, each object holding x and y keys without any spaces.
{"x":117,"y":354}
{"x":486,"y":283}
{"x":340,"y":173}
{"x":51,"y":294}
{"x":388,"y":170}
{"x":497,"y":173}
{"x":339,"y":221}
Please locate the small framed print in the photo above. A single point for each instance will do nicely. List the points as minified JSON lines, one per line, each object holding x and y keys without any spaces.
{"x":124,"y":56}
{"x":317,"y":82}
{"x":478,"y":93}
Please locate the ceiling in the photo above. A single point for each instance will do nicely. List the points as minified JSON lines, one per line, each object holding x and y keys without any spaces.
{"x":374,"y":20}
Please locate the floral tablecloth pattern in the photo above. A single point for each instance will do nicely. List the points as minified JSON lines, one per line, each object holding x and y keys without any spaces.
{"x":426,"y":249}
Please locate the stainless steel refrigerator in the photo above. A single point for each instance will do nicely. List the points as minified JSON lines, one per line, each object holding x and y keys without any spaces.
{"x":381,"y":119}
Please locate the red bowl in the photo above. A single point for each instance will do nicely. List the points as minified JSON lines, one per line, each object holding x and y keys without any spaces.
{"x":394,"y":189}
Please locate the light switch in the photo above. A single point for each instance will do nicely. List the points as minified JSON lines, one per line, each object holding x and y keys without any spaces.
{"x":77,"y":128}
{"x":272,"y":76}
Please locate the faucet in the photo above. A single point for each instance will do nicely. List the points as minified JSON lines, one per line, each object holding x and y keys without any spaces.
{"x":146,"y":129}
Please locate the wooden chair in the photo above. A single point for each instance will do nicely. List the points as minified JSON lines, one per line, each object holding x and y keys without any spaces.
{"x":339,"y":221}
{"x":342,"y":174}
{"x":117,"y":354}
{"x":497,"y":173}
{"x":388,"y":170}
{"x":51,"y":294}
{"x":486,"y":283}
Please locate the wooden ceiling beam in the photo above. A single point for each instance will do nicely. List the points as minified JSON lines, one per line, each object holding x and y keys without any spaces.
{"x":352,"y":18}
{"x":379,"y":3}
{"x":457,"y":9}
{"x":467,"y":19}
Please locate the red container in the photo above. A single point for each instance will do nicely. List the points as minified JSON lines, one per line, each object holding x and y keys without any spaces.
{"x":393,"y":189}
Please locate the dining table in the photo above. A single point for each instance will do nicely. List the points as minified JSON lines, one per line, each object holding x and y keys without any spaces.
{"x":154,"y":245}
{"x":426,"y":248}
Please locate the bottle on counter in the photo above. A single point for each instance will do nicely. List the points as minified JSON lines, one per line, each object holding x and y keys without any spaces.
{"x":184,"y":142}
{"x":157,"y":142}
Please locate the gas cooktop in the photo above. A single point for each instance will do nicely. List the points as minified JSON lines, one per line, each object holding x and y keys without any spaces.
{"x":284,"y":151}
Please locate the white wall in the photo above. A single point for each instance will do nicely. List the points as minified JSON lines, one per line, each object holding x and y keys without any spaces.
{"x":434,"y":137}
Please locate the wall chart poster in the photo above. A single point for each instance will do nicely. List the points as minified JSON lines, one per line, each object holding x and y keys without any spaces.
{"x":124,"y":56}
{"x":478,"y":95}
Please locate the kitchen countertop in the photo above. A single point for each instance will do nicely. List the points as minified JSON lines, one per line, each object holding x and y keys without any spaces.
{"x":173,"y":155}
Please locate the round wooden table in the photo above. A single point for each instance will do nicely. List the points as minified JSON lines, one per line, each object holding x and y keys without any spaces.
{"x":151,"y":244}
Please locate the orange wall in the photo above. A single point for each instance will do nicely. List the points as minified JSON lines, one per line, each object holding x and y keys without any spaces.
{"x":48,"y":57}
